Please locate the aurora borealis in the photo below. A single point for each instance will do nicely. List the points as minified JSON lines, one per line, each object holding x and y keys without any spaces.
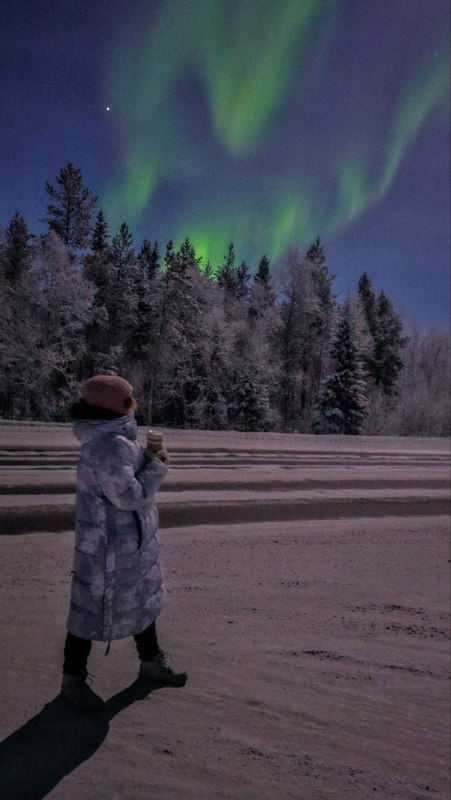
{"x":262,"y":122}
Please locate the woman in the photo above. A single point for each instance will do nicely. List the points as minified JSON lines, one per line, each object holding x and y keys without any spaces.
{"x":117,"y":583}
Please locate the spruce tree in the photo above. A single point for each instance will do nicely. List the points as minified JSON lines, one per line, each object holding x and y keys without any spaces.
{"x":383,"y":361}
{"x":227,"y":278}
{"x":322,"y":281}
{"x":122,"y":251}
{"x":368,"y":302}
{"x":210,"y":407}
{"x":180,"y":352}
{"x":71,"y":210}
{"x":142,"y":334}
{"x":182,"y":260}
{"x":99,"y":241}
{"x":170,"y":256}
{"x":250,"y":408}
{"x":17,"y":335}
{"x":16,"y":255}
{"x":209,"y":410}
{"x":154,"y":264}
{"x":187,"y":254}
{"x":262,"y":275}
{"x":97,"y":263}
{"x":389,"y":342}
{"x":321,"y":319}
{"x":242,"y":282}
{"x":262,"y":294}
{"x":119,"y":295}
{"x":341,"y":404}
{"x":307,"y":313}
{"x":149,"y":258}
{"x":123,"y":260}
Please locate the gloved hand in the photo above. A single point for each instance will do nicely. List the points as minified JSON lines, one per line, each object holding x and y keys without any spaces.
{"x":162,"y":455}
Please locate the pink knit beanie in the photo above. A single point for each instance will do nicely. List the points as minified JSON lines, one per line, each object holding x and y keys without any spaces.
{"x":108,"y":391}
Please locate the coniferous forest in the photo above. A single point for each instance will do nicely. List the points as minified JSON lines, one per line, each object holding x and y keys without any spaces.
{"x":227,"y":346}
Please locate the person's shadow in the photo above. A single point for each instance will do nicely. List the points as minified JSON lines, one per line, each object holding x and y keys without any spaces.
{"x":35,"y":758}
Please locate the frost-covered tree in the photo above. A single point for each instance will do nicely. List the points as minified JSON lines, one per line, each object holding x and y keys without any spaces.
{"x":249,"y":320}
{"x":422,"y":406}
{"x":341,"y":404}
{"x":321,"y":319}
{"x":322,"y":281}
{"x":210,"y":409}
{"x":63,"y":309}
{"x":9,"y":346}
{"x":206,"y":348}
{"x":250,"y":407}
{"x":180,"y":345}
{"x":306,"y":315}
{"x":49,"y":329}
{"x":70,"y":212}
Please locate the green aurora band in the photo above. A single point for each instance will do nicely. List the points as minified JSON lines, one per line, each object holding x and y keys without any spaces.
{"x":245,"y":57}
{"x":428,"y":91}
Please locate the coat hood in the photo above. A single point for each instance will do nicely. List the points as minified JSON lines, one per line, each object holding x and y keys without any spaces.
{"x":85,"y":430}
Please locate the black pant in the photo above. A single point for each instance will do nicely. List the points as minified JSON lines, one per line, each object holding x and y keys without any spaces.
{"x":76,"y":650}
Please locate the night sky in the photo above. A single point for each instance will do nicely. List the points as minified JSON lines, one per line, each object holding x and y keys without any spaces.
{"x":262,"y":122}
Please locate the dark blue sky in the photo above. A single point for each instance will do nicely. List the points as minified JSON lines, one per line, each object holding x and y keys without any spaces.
{"x":264,"y":122}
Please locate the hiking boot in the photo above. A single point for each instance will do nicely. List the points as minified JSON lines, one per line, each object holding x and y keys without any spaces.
{"x":159,"y":672}
{"x":75,"y":689}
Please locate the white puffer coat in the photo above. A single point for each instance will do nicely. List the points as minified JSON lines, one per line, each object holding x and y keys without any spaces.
{"x":117,"y":583}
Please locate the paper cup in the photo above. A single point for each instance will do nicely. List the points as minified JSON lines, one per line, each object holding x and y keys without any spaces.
{"x":154,"y":441}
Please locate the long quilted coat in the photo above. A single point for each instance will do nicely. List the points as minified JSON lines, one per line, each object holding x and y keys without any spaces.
{"x":117,"y":583}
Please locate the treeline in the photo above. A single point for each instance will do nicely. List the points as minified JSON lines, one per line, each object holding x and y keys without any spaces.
{"x":205,"y":346}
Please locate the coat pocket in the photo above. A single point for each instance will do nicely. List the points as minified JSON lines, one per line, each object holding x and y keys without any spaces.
{"x":139,"y":528}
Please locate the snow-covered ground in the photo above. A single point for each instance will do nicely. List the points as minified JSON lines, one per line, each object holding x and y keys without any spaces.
{"x":308,"y":598}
